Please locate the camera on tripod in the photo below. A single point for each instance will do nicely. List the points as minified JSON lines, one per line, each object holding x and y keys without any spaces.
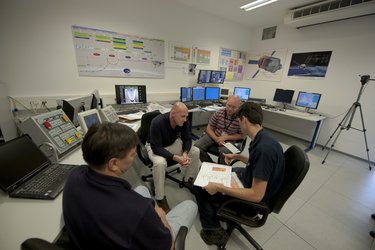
{"x":365,"y":78}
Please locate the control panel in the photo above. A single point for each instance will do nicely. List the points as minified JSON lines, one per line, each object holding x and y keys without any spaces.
{"x":53,"y":129}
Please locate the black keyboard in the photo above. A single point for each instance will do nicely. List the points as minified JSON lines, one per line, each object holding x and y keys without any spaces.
{"x":191,"y":106}
{"x":206,"y":104}
{"x":127,"y":112}
{"x":47,"y":184}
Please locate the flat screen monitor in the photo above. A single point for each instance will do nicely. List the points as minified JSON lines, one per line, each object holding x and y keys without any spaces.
{"x":88,"y":118}
{"x":198,"y":93}
{"x":96,"y":100}
{"x":308,"y":100}
{"x":185,"y":94}
{"x":204,"y":76}
{"x":73,"y":106}
{"x":284,"y":96}
{"x":242,"y":93}
{"x":130,"y":94}
{"x":217,"y":76}
{"x":212,"y":94}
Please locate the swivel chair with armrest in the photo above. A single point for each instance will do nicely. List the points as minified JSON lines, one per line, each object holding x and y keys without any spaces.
{"x":232,"y":212}
{"x":40,"y":244}
{"x":143,"y":133}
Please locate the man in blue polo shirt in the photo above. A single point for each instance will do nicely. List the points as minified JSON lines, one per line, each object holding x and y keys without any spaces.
{"x":261,"y":178}
{"x":100,"y":209}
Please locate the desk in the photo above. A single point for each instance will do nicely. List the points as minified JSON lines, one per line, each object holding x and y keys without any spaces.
{"x":294,"y":124}
{"x":25,"y":218}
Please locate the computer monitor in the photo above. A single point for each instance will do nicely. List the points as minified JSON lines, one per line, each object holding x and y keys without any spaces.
{"x":96,"y":100}
{"x":88,"y":118}
{"x":212,"y":94}
{"x":198,"y":93}
{"x":283,"y":96}
{"x":242,"y":93}
{"x":217,"y":76}
{"x":204,"y":76}
{"x":130,"y":94}
{"x":308,"y":100}
{"x":185,"y":94}
{"x":224,"y":93}
{"x":73,"y":106}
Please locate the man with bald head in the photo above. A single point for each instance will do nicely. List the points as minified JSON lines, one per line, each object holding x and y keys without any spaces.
{"x":170,"y":139}
{"x":222,"y":128}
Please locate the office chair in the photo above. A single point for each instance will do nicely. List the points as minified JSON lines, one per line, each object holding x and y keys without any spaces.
{"x":233,"y":212}
{"x":40,"y":244}
{"x":143,"y":133}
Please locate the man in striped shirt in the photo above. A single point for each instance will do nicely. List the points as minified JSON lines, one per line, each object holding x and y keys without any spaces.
{"x":221,"y":128}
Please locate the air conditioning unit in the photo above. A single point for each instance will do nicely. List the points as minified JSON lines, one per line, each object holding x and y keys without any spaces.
{"x":328,"y":11}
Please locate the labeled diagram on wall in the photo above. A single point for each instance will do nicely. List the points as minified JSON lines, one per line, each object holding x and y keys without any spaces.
{"x":233,"y":62}
{"x":111,"y":54}
{"x":179,"y":52}
{"x":266,"y":65}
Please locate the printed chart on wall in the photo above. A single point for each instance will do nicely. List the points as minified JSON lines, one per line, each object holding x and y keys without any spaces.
{"x":111,"y":54}
{"x":266,"y":65}
{"x":310,"y":64}
{"x":232,"y":61}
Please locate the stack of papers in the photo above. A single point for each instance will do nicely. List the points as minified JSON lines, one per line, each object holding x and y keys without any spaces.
{"x":132,"y":117}
{"x":217,"y":173}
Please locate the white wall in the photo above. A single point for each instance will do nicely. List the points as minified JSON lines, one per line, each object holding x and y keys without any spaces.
{"x":37,"y":53}
{"x":353,"y":45}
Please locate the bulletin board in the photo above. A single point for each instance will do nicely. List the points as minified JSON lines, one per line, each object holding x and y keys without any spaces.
{"x":112,"y":54}
{"x":233,"y":62}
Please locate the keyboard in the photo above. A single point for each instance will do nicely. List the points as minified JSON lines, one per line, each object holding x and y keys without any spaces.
{"x":127,"y":112}
{"x":296,"y":112}
{"x":47,"y":184}
{"x":264,"y":105}
{"x":191,"y":106}
{"x":202,"y":105}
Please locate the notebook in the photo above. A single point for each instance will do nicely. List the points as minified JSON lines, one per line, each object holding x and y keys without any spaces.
{"x":26,"y":172}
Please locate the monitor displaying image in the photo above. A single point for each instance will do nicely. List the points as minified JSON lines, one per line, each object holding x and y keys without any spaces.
{"x":242,"y":93}
{"x":198,"y":94}
{"x":212,"y":93}
{"x":130,"y":94}
{"x":284,"y":96}
{"x":308,"y":100}
{"x":217,"y":76}
{"x":185,"y":94}
{"x":88,"y":118}
{"x":204,"y":76}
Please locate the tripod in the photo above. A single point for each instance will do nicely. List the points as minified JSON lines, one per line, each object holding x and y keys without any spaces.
{"x":346,"y":122}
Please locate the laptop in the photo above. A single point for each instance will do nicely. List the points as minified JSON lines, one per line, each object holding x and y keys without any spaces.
{"x":26,"y":172}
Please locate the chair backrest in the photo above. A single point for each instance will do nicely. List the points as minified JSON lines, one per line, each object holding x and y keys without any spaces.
{"x":144,"y":130}
{"x":296,"y":167}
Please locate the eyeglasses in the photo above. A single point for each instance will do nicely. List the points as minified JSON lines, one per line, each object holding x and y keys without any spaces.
{"x":231,"y":106}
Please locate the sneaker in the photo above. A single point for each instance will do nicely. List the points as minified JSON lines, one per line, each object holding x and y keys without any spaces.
{"x":216,"y":237}
{"x":163,"y":204}
{"x":373,"y":216}
{"x":372,"y":234}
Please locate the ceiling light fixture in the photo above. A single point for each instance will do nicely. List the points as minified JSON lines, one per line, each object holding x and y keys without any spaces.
{"x":256,"y":4}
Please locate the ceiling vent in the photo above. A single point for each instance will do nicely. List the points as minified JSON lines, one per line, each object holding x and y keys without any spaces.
{"x":328,"y":11}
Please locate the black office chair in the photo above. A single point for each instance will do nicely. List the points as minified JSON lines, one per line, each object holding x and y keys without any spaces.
{"x":232,"y":212}
{"x":40,"y":244}
{"x":143,"y":133}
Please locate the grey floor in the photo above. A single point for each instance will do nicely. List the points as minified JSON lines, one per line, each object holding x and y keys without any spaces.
{"x":330,"y":210}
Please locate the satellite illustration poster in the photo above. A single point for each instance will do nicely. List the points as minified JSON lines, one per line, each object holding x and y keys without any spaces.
{"x":266,"y":65}
{"x":309,"y":64}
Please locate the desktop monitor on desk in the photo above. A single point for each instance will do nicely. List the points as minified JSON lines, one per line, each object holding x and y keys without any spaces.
{"x":88,"y":118}
{"x":72,"y":106}
{"x":130,"y":94}
{"x":198,"y":93}
{"x":308,"y":100}
{"x":217,"y":76}
{"x":204,"y":76}
{"x":283,"y":96}
{"x":185,"y":94}
{"x":242,"y":93}
{"x":212,"y":94}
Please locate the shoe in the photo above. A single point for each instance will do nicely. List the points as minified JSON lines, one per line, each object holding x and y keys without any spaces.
{"x":163,"y":204}
{"x":216,"y":237}
{"x":373,"y":216}
{"x":189,"y":183}
{"x":372,"y":234}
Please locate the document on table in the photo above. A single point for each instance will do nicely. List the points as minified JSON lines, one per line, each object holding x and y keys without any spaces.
{"x":132,"y":117}
{"x":212,"y":172}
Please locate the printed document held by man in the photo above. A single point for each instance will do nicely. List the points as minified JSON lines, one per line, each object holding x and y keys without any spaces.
{"x":212,"y":172}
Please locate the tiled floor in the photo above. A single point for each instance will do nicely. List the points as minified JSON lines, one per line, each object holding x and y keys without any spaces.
{"x":330,"y":210}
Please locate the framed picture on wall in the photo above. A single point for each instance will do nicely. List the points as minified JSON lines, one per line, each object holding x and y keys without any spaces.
{"x":179,"y":52}
{"x":309,"y":64}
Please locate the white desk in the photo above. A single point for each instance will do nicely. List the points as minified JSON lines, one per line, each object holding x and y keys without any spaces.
{"x":303,"y":125}
{"x":21,"y":219}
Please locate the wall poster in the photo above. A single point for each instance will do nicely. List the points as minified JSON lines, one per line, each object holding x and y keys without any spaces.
{"x":179,"y":52}
{"x":309,"y":64}
{"x":233,"y":62}
{"x":111,"y":54}
{"x":201,"y":56}
{"x":266,"y":65}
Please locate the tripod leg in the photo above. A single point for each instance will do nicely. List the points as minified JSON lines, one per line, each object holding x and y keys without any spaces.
{"x":364,"y":134}
{"x":341,"y":126}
